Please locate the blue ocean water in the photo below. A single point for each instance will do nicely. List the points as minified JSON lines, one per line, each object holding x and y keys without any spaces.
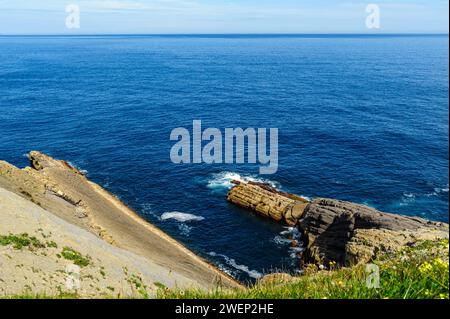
{"x":360,"y":118}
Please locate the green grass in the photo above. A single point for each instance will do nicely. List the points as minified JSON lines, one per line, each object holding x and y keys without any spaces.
{"x":138,"y":285}
{"x":20,"y":241}
{"x":420,"y":272}
{"x":77,"y":258}
{"x":42,"y":296}
{"x":52,"y":244}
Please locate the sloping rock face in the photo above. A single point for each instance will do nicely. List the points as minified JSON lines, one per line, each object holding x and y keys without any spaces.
{"x":333,"y":230}
{"x":349,"y":233}
{"x":64,"y":192}
{"x":110,"y":272}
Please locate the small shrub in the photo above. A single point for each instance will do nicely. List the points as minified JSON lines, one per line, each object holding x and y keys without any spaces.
{"x":20,"y":241}
{"x":77,"y":258}
{"x":52,"y":244}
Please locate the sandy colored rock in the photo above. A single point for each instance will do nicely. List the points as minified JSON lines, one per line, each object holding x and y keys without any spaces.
{"x":64,"y":192}
{"x":276,"y":279}
{"x":267,"y":201}
{"x":42,"y":271}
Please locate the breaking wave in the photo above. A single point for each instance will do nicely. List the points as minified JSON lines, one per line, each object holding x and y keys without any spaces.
{"x":181,"y":217}
{"x":286,"y":238}
{"x":409,"y":198}
{"x":82,"y":171}
{"x":224,"y":180}
{"x":438,"y":191}
{"x":242,"y":268}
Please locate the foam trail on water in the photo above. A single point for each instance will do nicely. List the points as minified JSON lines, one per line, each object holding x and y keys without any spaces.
{"x":82,"y":171}
{"x":185,"y":230}
{"x":181,"y":217}
{"x":231,"y":262}
{"x":147,"y":210}
{"x":224,"y":180}
{"x":439,"y":191}
{"x":286,"y":238}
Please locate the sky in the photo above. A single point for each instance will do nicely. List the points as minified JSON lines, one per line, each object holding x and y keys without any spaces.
{"x":221,"y":16}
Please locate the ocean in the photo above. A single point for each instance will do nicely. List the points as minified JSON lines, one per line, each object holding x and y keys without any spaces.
{"x":360,"y":118}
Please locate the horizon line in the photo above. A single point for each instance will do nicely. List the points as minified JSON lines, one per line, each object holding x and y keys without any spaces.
{"x":229,"y":34}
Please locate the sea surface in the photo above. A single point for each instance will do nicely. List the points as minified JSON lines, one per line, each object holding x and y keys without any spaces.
{"x":360,"y":118}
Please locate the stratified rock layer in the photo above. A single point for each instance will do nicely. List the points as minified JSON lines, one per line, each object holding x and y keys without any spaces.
{"x":268,"y":201}
{"x":62,"y":191}
{"x":334,"y":230}
{"x":349,"y":233}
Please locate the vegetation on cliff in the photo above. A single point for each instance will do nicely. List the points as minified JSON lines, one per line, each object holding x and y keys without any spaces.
{"x":417,"y":272}
{"x":85,"y":227}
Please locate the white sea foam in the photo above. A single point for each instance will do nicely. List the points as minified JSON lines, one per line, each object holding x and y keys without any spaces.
{"x":185,"y":230}
{"x":407,"y":199}
{"x":291,"y":232}
{"x":82,"y":171}
{"x":294,"y":252}
{"x":285,"y":239}
{"x":224,"y":180}
{"x":147,"y":210}
{"x":181,"y":217}
{"x":231,"y":262}
{"x":281,"y":241}
{"x":439,"y":190}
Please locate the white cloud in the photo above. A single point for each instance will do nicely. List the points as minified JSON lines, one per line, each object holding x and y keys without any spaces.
{"x":113,"y":5}
{"x":221,"y":16}
{"x":151,"y":5}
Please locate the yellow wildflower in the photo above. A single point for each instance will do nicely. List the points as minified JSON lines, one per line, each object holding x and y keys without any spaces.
{"x":425,"y":267}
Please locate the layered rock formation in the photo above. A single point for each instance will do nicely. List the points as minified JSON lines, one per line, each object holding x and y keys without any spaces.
{"x":349,"y":233}
{"x":51,"y":196}
{"x":334,"y":230}
{"x":268,"y":201}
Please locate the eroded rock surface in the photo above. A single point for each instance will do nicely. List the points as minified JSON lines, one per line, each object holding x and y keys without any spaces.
{"x":334,"y":230}
{"x":62,"y":191}
{"x":350,"y":233}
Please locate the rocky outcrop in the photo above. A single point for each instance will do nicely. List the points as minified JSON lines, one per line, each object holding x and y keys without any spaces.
{"x":333,"y":230}
{"x":268,"y":201}
{"x":349,"y":233}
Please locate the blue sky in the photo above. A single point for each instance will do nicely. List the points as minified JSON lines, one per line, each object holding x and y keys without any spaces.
{"x":222,"y":16}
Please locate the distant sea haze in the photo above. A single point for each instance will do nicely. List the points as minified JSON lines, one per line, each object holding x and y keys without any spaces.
{"x":360,"y":118}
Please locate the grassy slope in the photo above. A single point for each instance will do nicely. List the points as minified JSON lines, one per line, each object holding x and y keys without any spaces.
{"x":416,"y":272}
{"x":419,"y":272}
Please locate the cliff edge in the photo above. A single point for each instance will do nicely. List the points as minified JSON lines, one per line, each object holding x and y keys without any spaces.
{"x":53,"y":205}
